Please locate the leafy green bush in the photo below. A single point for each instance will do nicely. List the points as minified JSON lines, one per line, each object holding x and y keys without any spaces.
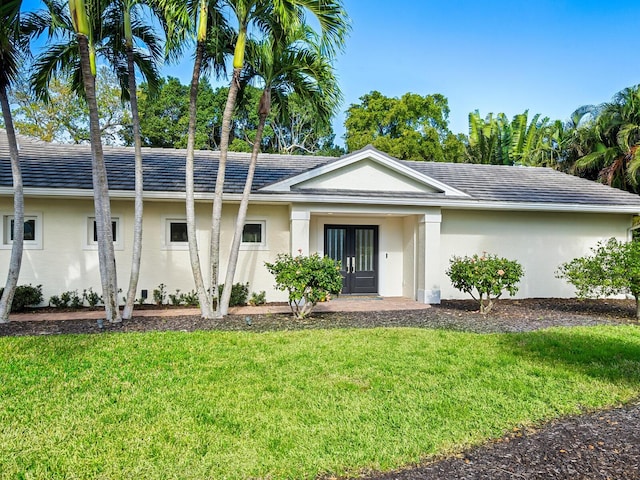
{"x":613,"y":268}
{"x":25,"y":296}
{"x":485,"y":277}
{"x":92,"y":298}
{"x":258,"y":298}
{"x":307,"y":279}
{"x":239,"y":294}
{"x":190,"y":299}
{"x":66,"y":299}
{"x":175,"y":299}
{"x":160,"y":294}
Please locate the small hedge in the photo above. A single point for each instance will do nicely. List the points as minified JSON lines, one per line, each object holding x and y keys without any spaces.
{"x":25,"y":296}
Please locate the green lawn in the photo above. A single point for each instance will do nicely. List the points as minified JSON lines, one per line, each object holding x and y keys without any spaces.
{"x":290,"y":404}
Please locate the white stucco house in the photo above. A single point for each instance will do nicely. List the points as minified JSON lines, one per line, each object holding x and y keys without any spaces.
{"x":393,"y":224}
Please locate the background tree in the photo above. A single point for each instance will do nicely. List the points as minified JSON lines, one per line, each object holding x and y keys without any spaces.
{"x":14,"y":45}
{"x":63,"y":116}
{"x":496,"y":140}
{"x":611,"y":142}
{"x":297,"y":129}
{"x":164,"y":119}
{"x":411,"y":127}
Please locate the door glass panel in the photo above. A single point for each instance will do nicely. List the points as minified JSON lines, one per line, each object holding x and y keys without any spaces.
{"x":364,"y":249}
{"x":336,"y":243}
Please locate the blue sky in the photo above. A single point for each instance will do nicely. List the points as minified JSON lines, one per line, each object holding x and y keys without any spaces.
{"x":495,"y":56}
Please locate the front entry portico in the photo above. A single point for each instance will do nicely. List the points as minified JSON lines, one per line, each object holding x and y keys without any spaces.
{"x":388,"y":251}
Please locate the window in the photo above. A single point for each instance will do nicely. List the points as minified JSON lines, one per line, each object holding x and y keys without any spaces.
{"x":178,"y":232}
{"x":32,"y":231}
{"x":254,"y":235}
{"x":92,"y":233}
{"x":29,"y":230}
{"x":175,"y":234}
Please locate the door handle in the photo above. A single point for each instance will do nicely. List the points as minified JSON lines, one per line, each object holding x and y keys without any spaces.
{"x":353,"y":264}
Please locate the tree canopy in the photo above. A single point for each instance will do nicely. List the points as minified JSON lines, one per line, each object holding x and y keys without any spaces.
{"x":164,"y":119}
{"x":63,"y":116}
{"x":412,"y":127}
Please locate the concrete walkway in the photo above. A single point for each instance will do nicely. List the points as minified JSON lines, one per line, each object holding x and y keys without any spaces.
{"x":341,"y":304}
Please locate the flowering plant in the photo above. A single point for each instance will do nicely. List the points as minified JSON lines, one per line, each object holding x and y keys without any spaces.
{"x":485,"y":277}
{"x":307,"y":279}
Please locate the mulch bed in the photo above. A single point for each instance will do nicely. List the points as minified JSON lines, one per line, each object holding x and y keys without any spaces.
{"x":600,"y":445}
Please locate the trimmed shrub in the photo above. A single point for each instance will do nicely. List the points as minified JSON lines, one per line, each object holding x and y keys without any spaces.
{"x":485,"y":277}
{"x":307,"y":279}
{"x":239,"y":294}
{"x":66,"y":299}
{"x":25,"y":296}
{"x":258,"y":298}
{"x":91,"y":297}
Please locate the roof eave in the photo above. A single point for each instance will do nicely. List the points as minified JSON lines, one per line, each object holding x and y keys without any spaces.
{"x":459,"y":203}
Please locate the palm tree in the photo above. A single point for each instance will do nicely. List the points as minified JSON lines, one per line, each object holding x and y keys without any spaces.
{"x":13,"y":47}
{"x":267,"y":16}
{"x":212,"y":30}
{"x":109,"y":31}
{"x":283,"y":64}
{"x":613,"y":142}
{"x":106,"y":254}
{"x":122,"y":14}
{"x":78,"y":34}
{"x":498,"y":141}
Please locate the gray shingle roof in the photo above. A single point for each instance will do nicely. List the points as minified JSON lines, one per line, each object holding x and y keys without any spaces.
{"x":523,"y":184}
{"x":52,"y":165}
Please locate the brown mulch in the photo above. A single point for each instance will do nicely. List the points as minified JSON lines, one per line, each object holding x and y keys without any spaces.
{"x":600,"y":445}
{"x":461,"y":315}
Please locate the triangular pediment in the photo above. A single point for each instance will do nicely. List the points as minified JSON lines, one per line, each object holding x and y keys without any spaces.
{"x":362,"y":171}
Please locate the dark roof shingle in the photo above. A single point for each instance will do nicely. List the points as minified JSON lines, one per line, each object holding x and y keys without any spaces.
{"x":52,"y":165}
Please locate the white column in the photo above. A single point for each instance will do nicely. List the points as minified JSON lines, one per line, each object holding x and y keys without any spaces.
{"x":300,"y":232}
{"x":428,"y":260}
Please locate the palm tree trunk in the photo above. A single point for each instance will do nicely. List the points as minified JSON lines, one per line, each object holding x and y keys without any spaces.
{"x":139,"y":186}
{"x":216,"y":217}
{"x":263,"y":111}
{"x":18,"y":212}
{"x":106,"y":254}
{"x":203,"y":297}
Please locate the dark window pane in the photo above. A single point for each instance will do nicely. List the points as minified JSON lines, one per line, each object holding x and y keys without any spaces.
{"x":114,"y":231}
{"x":178,"y":232}
{"x":252,"y":233}
{"x":29,"y":229}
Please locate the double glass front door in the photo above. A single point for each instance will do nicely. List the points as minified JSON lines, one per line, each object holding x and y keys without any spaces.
{"x":356,"y":248}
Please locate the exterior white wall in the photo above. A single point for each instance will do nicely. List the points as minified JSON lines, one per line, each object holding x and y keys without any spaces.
{"x":66,"y":263}
{"x":539,"y":241}
{"x":366,"y":175}
{"x":390,"y":247}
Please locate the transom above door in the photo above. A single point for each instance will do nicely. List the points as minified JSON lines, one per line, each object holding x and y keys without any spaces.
{"x":356,"y":248}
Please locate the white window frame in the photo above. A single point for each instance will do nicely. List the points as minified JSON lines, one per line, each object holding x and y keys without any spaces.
{"x":91,"y":244}
{"x":167,"y":244}
{"x":35,"y":244}
{"x":256,"y":245}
